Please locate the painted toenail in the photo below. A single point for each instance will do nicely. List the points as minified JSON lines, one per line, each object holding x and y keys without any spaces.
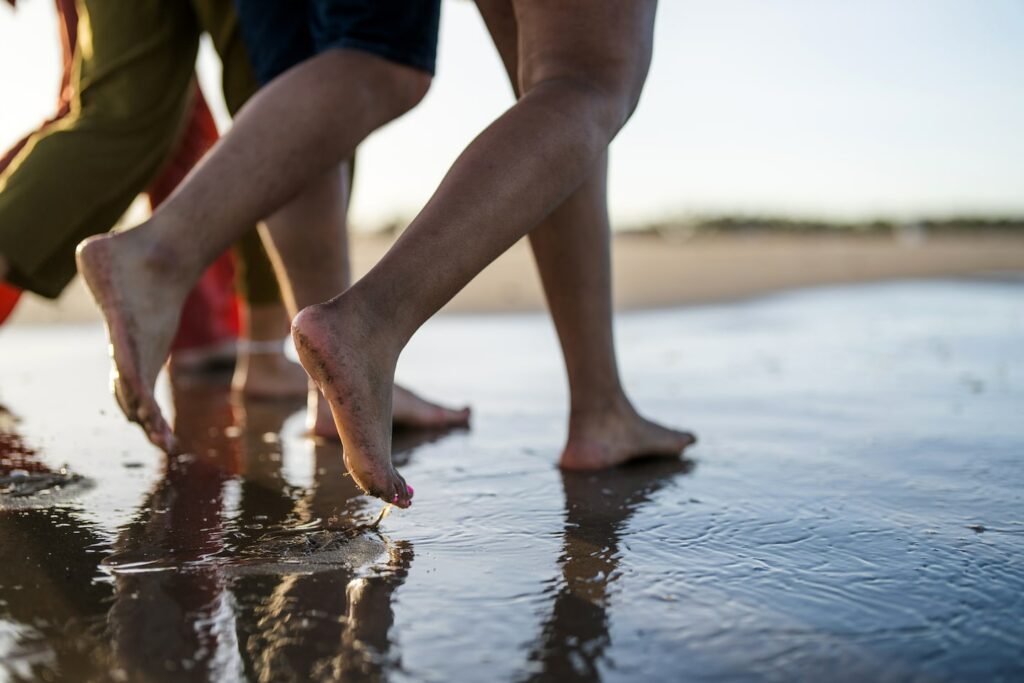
{"x":411,"y":492}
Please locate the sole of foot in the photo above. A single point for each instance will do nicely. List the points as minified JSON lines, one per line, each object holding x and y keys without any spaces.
{"x":141,"y":319}
{"x":357,"y":379}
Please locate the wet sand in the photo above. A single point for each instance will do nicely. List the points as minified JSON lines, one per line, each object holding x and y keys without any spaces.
{"x":852,"y":512}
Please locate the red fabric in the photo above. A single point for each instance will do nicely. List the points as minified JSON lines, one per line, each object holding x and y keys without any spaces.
{"x":211,"y":313}
{"x":8,"y":300}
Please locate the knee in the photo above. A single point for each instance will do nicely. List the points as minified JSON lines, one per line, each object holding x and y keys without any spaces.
{"x":608,"y":95}
{"x":401,"y":89}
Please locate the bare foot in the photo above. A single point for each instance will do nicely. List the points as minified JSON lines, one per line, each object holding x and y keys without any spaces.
{"x":601,"y":440}
{"x":409,"y":412}
{"x":141,"y":299}
{"x":268,"y":374}
{"x":355,"y":371}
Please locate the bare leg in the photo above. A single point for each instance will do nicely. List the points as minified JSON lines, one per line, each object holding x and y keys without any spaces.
{"x":310,"y":251}
{"x":581,"y":81}
{"x":572,"y":250}
{"x":262,"y":370}
{"x":293,"y":131}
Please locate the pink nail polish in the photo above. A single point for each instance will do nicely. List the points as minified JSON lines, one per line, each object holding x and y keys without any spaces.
{"x":411,"y":492}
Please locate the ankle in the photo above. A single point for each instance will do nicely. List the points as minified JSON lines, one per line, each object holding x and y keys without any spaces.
{"x":266,"y":323}
{"x":377,"y":329}
{"x":163,"y":259}
{"x":599,"y":406}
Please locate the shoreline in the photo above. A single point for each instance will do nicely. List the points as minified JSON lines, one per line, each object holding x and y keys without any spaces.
{"x":654,"y":271}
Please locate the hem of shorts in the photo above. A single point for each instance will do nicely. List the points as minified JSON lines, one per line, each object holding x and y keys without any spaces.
{"x":388,"y":52}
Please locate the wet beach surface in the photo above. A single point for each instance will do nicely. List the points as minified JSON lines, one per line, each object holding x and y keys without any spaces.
{"x":853,"y":511}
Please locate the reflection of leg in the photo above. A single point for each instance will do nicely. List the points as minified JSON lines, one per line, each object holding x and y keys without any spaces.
{"x":49,"y":600}
{"x":366,"y":645}
{"x":160,"y":620}
{"x":580,"y":84}
{"x":265,"y":501}
{"x":572,"y":251}
{"x":331,"y":624}
{"x":598,"y":506}
{"x":274,"y":150}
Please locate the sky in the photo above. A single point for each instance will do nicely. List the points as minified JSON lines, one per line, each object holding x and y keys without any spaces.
{"x":810,"y":108}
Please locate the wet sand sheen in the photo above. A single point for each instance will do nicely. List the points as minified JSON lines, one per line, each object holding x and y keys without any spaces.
{"x":852,"y":512}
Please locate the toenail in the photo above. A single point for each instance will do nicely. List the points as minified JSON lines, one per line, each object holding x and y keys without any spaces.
{"x":409,"y":488}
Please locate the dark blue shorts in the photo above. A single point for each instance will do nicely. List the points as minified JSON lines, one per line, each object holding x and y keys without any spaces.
{"x":281,"y":33}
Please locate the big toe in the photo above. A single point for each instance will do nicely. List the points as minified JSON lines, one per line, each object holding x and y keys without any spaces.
{"x":684,"y":439}
{"x":386,"y":484}
{"x":452,"y":417}
{"x":395,"y":491}
{"x":424,"y":415}
{"x":156,"y":428}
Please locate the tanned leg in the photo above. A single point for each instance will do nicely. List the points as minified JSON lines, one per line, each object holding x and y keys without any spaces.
{"x":572,"y":251}
{"x":262,"y":370}
{"x":310,"y":251}
{"x":289,"y":134}
{"x":582,"y":66}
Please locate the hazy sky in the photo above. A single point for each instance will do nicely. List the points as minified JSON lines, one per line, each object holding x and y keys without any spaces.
{"x":834,"y":108}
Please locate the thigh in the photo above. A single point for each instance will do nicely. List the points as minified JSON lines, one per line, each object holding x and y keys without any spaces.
{"x":500,"y":19}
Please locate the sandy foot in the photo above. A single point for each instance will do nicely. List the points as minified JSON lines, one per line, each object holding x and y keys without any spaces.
{"x":356,"y":375}
{"x":141,"y":304}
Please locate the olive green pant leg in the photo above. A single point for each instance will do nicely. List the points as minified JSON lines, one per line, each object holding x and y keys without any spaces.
{"x":257,"y":280}
{"x":75,"y":178}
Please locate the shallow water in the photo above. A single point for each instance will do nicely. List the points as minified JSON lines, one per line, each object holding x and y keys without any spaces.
{"x":852,"y":512}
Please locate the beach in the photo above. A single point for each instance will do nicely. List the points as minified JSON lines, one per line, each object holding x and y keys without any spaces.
{"x":660,"y":270}
{"x":851,"y":511}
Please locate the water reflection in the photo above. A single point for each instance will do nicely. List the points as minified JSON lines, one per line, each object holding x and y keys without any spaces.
{"x":576,"y":634}
{"x":47,"y":596}
{"x":227,"y":570}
